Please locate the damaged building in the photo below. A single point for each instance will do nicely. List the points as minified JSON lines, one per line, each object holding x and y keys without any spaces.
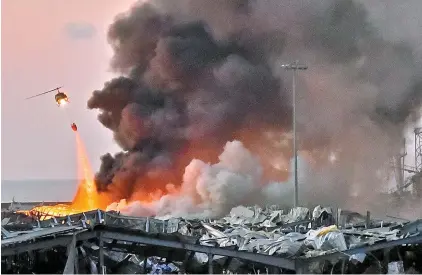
{"x":248,"y":240}
{"x":185,"y":85}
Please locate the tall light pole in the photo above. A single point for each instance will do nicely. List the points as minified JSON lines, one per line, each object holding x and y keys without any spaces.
{"x":295,"y":66}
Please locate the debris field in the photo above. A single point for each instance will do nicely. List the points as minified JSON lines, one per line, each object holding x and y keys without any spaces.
{"x":248,"y":240}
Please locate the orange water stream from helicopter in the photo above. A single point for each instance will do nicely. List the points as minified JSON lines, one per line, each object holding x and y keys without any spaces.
{"x":86,"y":198}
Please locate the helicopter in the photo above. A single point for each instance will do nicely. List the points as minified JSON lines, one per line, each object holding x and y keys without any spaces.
{"x":61,"y":98}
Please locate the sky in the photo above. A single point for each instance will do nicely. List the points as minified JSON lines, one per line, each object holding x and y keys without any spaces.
{"x":46,"y":44}
{"x":50,"y":43}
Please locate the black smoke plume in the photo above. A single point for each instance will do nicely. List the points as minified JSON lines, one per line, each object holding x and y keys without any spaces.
{"x":197,"y":73}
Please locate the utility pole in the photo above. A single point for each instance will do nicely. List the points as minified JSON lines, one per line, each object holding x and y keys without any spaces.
{"x":295,"y":66}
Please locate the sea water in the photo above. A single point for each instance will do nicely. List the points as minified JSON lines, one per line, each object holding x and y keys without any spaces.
{"x":38,"y":190}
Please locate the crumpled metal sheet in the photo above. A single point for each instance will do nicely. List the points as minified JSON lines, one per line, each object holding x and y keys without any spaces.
{"x":214,"y":232}
{"x":241,"y":215}
{"x":269,"y":231}
{"x":319,"y":210}
{"x":264,"y":217}
{"x":288,"y":245}
{"x":326,"y":238}
{"x":358,"y":238}
{"x":296,"y":214}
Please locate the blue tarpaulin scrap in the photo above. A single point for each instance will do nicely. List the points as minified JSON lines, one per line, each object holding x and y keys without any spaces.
{"x":157,"y":267}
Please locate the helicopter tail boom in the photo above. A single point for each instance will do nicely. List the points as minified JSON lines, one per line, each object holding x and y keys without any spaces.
{"x":56,"y":89}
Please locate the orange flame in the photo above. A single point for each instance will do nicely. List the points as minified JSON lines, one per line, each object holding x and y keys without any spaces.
{"x":86,"y":198}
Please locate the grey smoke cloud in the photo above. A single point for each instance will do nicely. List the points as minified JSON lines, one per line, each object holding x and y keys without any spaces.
{"x":190,"y":80}
{"x":397,"y":21}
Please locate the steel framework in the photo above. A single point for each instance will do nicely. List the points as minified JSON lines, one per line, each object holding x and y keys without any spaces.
{"x":142,"y":235}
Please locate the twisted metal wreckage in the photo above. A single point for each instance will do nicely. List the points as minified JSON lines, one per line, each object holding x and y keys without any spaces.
{"x":248,"y":240}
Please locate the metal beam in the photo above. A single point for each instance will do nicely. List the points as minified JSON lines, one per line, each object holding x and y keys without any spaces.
{"x":101,"y":251}
{"x":39,"y":234}
{"x":71,"y":257}
{"x":248,"y":256}
{"x":412,"y":227}
{"x":76,"y":261}
{"x":210,"y":266}
{"x":44,"y":244}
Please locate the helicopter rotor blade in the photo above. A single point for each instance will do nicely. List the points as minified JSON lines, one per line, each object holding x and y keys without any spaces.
{"x":56,"y":89}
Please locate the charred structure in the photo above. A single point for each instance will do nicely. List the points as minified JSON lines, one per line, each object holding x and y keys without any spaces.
{"x":250,"y":239}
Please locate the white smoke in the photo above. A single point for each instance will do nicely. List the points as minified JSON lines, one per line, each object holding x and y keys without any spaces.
{"x":212,"y":190}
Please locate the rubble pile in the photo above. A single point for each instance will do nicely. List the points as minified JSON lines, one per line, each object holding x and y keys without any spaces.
{"x":301,"y":240}
{"x":302,"y":234}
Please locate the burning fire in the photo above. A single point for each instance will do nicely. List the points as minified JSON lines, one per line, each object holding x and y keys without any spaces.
{"x":86,"y":198}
